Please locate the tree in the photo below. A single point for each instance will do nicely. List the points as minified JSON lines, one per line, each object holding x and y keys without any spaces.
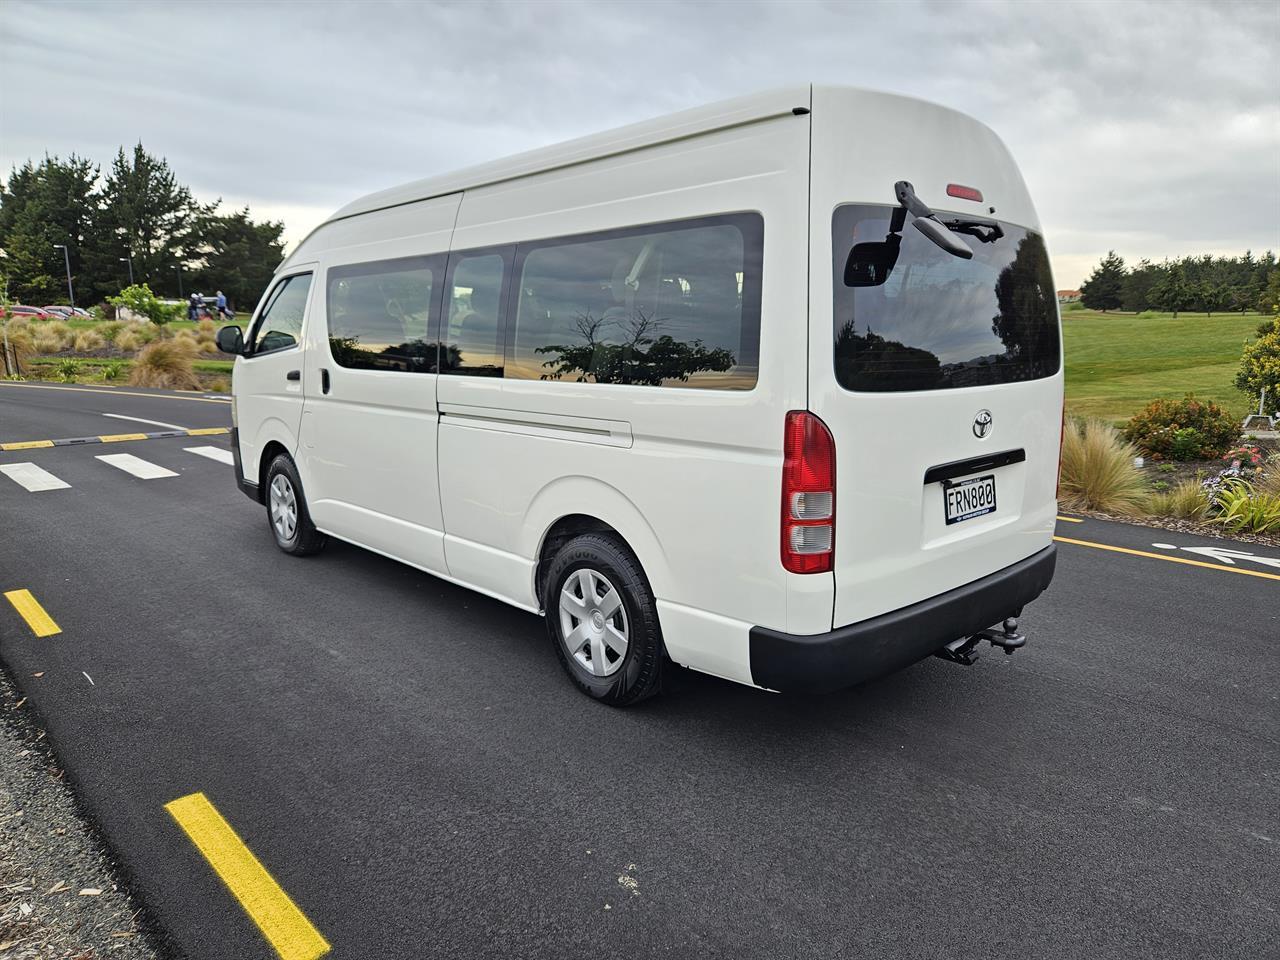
{"x":1260,"y":363}
{"x":1268,"y":300}
{"x":237,"y":255}
{"x":53,"y":203}
{"x":140,"y":301}
{"x":147,"y":215}
{"x":1172,"y":292}
{"x":1102,"y":291}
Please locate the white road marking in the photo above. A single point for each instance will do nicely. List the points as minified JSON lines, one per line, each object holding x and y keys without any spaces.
{"x":1223,"y":554}
{"x":32,"y":477}
{"x":156,"y":423}
{"x":143,"y":469}
{"x":213,"y":453}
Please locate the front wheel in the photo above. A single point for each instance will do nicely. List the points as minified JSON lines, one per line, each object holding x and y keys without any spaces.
{"x":603,"y":620}
{"x":287,"y":511}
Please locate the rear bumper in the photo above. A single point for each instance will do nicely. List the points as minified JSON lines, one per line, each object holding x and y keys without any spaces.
{"x":248,"y":487}
{"x":863,"y":651}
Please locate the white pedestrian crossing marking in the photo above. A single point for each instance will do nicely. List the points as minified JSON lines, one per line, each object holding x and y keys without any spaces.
{"x":213,"y":453}
{"x":143,"y":469}
{"x":32,"y":477}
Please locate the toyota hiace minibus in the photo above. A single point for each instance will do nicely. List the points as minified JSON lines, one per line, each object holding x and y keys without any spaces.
{"x":771,"y":389}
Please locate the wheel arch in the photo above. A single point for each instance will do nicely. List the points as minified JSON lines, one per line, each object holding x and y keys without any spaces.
{"x":573,"y":505}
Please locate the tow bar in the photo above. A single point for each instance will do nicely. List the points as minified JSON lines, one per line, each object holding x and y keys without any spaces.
{"x":965,"y":650}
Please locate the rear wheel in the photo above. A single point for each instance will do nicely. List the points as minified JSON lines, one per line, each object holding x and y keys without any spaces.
{"x":287,"y":511}
{"x":603,"y":620}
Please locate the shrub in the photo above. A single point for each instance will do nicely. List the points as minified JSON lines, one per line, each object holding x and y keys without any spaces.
{"x":1186,"y":429}
{"x":87,"y":341}
{"x":206,"y":330}
{"x":208,"y":346}
{"x":112,"y":369}
{"x":1097,"y":469}
{"x":164,"y":364}
{"x":1250,"y":457}
{"x":221,"y":385}
{"x":1243,"y":508}
{"x":128,"y":341}
{"x":110,"y":329}
{"x":44,"y":343}
{"x":141,"y":302}
{"x":59,"y":329}
{"x":67,"y":370}
{"x":1186,"y":501}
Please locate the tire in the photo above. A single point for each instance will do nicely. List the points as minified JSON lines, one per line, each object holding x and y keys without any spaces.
{"x":287,"y":513}
{"x":596,"y":592}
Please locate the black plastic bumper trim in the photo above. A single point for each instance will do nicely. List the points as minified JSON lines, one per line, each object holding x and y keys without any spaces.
{"x":248,"y":487}
{"x":962,"y":468}
{"x":863,"y":651}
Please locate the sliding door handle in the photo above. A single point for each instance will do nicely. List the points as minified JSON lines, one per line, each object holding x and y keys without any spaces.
{"x":293,"y":375}
{"x":324,"y":380}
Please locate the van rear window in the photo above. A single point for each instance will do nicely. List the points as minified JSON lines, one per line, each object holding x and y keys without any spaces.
{"x":927,"y":320}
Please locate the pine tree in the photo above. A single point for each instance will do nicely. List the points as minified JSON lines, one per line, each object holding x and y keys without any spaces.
{"x":1102,"y":291}
{"x":149,"y":216}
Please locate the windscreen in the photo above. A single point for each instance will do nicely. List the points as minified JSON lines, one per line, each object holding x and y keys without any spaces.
{"x":919,"y":318}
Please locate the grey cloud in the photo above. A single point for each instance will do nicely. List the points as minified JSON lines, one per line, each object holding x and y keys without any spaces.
{"x":1135,"y":122}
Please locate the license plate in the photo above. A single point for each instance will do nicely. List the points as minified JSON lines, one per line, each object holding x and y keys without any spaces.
{"x":966,"y":499}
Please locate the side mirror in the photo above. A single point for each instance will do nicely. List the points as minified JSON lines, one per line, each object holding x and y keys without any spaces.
{"x":231,"y":340}
{"x":943,"y":237}
{"x":870,"y":264}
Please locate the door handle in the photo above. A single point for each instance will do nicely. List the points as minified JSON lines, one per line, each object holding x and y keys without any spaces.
{"x":293,"y":375}
{"x":324,"y":380}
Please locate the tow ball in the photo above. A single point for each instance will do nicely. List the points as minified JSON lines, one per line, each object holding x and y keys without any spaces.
{"x":965,"y":650}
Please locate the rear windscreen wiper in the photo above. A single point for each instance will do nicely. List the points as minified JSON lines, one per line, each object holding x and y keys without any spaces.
{"x":927,"y":222}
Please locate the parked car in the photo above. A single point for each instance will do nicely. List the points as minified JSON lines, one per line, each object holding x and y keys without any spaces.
{"x":63,"y":312}
{"x":722,"y":387}
{"x":33,"y":313}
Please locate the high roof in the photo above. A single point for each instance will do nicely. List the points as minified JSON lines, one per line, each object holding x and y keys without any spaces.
{"x":675,"y":126}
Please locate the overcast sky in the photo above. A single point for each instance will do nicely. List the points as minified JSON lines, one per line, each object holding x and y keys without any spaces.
{"x":1151,"y":128}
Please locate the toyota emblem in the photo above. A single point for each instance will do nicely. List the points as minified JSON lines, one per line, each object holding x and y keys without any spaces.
{"x":982,"y":424}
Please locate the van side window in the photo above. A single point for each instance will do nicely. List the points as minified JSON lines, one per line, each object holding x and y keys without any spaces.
{"x":380,"y":313}
{"x":472,"y":342}
{"x":674,"y":304}
{"x":280,"y":325}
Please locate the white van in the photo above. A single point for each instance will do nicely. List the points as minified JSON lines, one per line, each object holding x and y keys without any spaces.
{"x":770,"y":388}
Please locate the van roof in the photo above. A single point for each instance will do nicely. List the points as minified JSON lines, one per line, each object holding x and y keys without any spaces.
{"x":675,"y":126}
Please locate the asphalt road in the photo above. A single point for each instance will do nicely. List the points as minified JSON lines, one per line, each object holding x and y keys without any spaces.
{"x":408,"y":762}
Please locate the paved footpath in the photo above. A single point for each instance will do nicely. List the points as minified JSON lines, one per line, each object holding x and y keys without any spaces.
{"x":414,"y":776}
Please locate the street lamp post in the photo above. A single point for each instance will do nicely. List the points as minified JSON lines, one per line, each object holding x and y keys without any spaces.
{"x":66,"y":256}
{"x":129,"y":261}
{"x":178,"y":269}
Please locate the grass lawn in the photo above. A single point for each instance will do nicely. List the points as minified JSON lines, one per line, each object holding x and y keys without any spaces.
{"x":1117,"y":362}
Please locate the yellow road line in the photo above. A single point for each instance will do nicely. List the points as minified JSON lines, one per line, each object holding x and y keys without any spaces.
{"x":279,"y":919}
{"x":38,"y":620}
{"x":208,"y":431}
{"x":1161,"y":556}
{"x":1071,"y":520}
{"x":26,"y":445}
{"x":110,"y":391}
{"x":117,"y":437}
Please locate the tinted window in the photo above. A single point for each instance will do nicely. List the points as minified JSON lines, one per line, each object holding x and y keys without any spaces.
{"x":675,"y":304}
{"x":380,"y":314}
{"x":472,"y":340}
{"x":280,"y":325}
{"x":922,"y":319}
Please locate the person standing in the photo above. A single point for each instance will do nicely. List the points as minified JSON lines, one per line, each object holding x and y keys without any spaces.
{"x":223,"y":312}
{"x":193,"y":307}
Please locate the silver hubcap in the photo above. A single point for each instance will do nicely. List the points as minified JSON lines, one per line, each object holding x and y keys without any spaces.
{"x":593,"y":623}
{"x":284,"y":507}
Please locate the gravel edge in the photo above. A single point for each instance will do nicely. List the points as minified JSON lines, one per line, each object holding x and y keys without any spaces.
{"x":51,"y":858}
{"x":1198,"y":529}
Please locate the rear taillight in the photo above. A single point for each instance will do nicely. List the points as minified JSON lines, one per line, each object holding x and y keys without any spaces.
{"x":964,"y":193}
{"x":808,"y":494}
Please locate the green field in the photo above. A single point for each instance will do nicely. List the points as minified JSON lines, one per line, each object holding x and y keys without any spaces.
{"x":1117,"y":362}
